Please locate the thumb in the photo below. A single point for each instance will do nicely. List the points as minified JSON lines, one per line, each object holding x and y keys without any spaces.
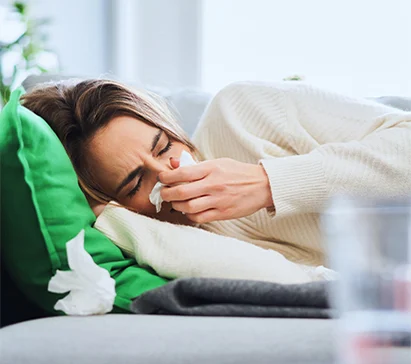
{"x":174,"y":162}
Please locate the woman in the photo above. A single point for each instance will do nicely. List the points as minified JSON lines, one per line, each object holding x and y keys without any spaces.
{"x":271,"y":155}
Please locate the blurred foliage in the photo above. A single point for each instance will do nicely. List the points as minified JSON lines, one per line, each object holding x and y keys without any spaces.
{"x":29,"y":45}
{"x":294,"y":78}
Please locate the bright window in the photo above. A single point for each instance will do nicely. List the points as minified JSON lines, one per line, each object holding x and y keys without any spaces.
{"x":359,"y":47}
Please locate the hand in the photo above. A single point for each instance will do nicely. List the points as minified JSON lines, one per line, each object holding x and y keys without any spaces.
{"x":219,"y":189}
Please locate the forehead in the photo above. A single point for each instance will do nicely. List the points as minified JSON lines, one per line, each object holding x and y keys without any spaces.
{"x":123,"y":128}
{"x":119,"y":148}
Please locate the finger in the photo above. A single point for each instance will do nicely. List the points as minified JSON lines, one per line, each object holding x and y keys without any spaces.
{"x":204,"y":216}
{"x":184,"y":192}
{"x":183,"y":174}
{"x":195,"y":205}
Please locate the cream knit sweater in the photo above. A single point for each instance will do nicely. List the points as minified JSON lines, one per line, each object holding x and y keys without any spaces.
{"x":312,"y":144}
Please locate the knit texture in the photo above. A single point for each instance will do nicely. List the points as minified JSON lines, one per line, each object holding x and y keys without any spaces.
{"x":227,"y":297}
{"x":313,"y":144}
{"x":177,"y":251}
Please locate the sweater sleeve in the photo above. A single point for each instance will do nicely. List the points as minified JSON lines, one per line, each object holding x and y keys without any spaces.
{"x":346,"y":145}
{"x":312,"y":143}
{"x":177,"y":251}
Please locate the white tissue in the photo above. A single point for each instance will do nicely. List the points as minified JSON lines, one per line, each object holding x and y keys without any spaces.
{"x":155,"y":197}
{"x":92,"y":290}
{"x":324,"y":273}
{"x":185,"y":160}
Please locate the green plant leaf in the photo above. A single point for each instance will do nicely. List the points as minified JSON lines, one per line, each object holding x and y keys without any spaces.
{"x":294,"y":78}
{"x":20,"y":7}
{"x":42,"y":69}
{"x":28,"y":45}
{"x":5,"y":94}
{"x":14,"y":74}
{"x":19,"y":40}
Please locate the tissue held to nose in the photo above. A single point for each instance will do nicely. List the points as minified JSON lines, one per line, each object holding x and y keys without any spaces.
{"x":155,"y":197}
{"x":92,"y":290}
{"x":185,"y":160}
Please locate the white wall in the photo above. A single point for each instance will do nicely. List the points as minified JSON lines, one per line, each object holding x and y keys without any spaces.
{"x":78,"y":34}
{"x":360,"y":47}
{"x":154,"y":42}
{"x":157,"y":41}
{"x":169,"y":50}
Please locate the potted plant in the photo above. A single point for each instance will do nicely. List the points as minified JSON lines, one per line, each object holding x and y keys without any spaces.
{"x":22,"y":48}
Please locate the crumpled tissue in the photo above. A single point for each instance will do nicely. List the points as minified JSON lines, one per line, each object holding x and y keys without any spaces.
{"x":92,"y":290}
{"x":324,"y":273}
{"x":185,"y":160}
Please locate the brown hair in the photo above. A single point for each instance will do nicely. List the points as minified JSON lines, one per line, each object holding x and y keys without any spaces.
{"x":76,"y":110}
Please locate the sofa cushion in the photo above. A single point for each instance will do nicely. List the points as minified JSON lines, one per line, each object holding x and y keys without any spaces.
{"x":42,"y":207}
{"x":402,"y":103}
{"x":130,"y":339}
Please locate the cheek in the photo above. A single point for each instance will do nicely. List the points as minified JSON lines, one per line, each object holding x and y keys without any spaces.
{"x":140,"y":203}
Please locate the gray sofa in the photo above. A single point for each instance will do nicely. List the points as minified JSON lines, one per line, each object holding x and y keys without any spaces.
{"x":167,"y":339}
{"x":114,"y":338}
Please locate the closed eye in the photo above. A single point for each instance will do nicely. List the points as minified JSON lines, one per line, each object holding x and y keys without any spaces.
{"x":140,"y":181}
{"x":136,"y":188}
{"x":167,"y":148}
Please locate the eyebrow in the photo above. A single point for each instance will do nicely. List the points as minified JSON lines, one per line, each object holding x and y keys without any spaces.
{"x":137,"y":171}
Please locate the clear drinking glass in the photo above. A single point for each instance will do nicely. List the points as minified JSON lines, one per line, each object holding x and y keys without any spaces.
{"x":369,"y":245}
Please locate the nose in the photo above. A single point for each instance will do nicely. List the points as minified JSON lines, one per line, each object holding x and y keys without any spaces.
{"x":156,"y":166}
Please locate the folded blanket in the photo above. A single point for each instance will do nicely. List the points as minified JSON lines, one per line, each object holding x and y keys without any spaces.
{"x":228,"y":297}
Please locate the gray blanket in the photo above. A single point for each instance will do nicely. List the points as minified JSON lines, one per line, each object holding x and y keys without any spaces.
{"x":226,"y":297}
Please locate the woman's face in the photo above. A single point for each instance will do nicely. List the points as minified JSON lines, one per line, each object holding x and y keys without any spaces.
{"x":126,"y":157}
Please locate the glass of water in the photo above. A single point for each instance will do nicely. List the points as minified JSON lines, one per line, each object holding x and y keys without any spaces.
{"x":369,"y":245}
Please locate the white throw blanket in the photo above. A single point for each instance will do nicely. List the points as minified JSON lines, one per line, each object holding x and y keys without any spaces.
{"x":177,"y":251}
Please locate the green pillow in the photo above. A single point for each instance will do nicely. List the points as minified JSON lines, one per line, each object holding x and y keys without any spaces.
{"x":43,"y":207}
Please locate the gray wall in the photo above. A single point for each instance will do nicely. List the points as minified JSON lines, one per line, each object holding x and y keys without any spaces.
{"x":169,"y":41}
{"x":149,"y":42}
{"x":79,"y":34}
